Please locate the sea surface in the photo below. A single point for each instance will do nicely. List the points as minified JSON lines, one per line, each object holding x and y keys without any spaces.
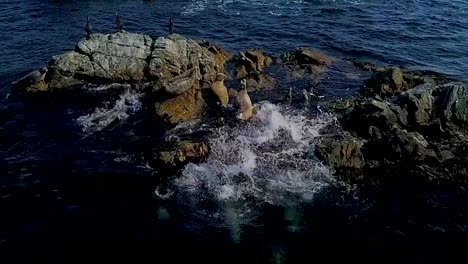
{"x":76,"y":175}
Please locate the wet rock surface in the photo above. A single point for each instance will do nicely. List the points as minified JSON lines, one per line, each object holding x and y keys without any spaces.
{"x":414,"y":121}
{"x":250,"y":65}
{"x":413,"y":134}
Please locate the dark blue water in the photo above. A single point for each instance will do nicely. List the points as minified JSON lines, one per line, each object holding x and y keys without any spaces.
{"x":66,"y":193}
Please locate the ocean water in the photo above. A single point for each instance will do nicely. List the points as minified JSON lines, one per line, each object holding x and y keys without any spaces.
{"x":77,"y":174}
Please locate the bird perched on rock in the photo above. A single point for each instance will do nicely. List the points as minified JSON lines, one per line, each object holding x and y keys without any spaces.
{"x":89,"y":29}
{"x":118,"y":22}
{"x":220,"y":90}
{"x":243,"y":99}
{"x":171,"y":26}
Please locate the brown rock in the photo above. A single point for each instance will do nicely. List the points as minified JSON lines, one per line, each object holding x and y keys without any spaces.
{"x":307,"y":56}
{"x":184,"y":107}
{"x":385,"y":83}
{"x":340,"y":151}
{"x":183,"y":153}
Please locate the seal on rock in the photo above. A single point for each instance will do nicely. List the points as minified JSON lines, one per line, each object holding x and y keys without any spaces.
{"x":243,"y":99}
{"x":32,"y":78}
{"x":220,"y":90}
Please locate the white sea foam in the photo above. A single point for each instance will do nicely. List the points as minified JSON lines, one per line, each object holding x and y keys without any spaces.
{"x":268,"y":159}
{"x":127,"y":104}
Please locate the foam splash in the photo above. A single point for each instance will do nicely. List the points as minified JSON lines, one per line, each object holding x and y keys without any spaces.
{"x":127,"y":104}
{"x":268,"y":159}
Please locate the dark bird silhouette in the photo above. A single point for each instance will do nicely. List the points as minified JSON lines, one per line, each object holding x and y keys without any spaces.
{"x":89,"y":29}
{"x":118,"y":22}
{"x":171,"y":26}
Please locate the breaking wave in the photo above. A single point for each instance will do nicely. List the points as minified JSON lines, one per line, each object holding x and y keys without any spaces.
{"x":268,"y":159}
{"x":127,"y":104}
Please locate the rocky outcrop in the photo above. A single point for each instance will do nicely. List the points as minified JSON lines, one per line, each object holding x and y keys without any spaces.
{"x":419,"y":132}
{"x":250,"y":66}
{"x":385,"y":83}
{"x":452,"y":105}
{"x":175,"y":54}
{"x":119,"y":57}
{"x":187,"y":106}
{"x":304,"y":62}
{"x":174,"y":68}
{"x":341,"y":151}
{"x":419,"y":104}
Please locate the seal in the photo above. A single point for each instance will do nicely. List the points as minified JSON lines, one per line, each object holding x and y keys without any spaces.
{"x":34,"y":81}
{"x":243,"y":99}
{"x":220,"y":90}
{"x":34,"y":77}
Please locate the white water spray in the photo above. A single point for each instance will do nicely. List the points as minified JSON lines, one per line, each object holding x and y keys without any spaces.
{"x":127,"y":104}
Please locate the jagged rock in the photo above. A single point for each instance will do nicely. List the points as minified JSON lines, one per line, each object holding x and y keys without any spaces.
{"x":260,"y":82}
{"x":128,"y":57}
{"x":413,"y":80}
{"x":408,"y":146}
{"x":304,"y":62}
{"x":385,"y":83}
{"x":175,"y":54}
{"x":172,"y":68}
{"x":400,"y":112}
{"x":117,"y":57}
{"x":184,"y":107}
{"x":371,"y":113}
{"x":183,"y":153}
{"x":341,"y":151}
{"x":419,"y":104}
{"x":250,"y":65}
{"x":222,"y":56}
{"x":452,"y":105}
{"x":252,"y":62}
